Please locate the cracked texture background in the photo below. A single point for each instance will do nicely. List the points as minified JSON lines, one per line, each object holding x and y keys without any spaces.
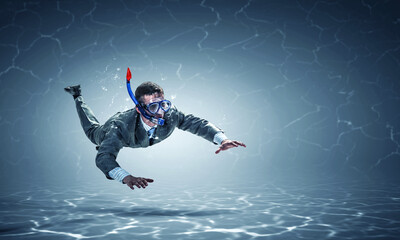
{"x":311,"y":87}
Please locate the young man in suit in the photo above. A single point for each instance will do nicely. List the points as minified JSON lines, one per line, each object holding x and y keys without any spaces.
{"x":132,"y":129}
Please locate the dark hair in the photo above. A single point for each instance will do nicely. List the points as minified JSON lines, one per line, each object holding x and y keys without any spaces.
{"x":147,"y":88}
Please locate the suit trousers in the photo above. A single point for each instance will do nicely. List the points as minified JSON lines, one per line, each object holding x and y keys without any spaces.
{"x":89,"y":123}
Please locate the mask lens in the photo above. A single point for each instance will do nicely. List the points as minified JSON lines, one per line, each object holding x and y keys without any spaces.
{"x":165,"y":105}
{"x":153,"y":107}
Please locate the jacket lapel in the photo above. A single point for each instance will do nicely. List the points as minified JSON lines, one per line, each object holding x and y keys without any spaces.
{"x":160,"y":133}
{"x":140,"y":133}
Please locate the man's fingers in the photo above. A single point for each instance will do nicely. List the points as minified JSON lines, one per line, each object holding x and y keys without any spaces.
{"x":228,"y":145}
{"x":219,"y":150}
{"x":141,"y":183}
{"x":240,"y":143}
{"x":130,"y":184}
{"x":145,"y":182}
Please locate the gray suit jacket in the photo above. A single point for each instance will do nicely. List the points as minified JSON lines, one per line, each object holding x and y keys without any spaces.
{"x":125,"y":129}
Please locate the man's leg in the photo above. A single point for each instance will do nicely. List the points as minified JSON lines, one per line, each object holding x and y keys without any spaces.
{"x":89,"y":122}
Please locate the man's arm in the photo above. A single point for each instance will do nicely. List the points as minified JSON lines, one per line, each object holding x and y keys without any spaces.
{"x":108,"y":151}
{"x":106,"y":160}
{"x":219,"y":137}
{"x":198,"y":126}
{"x":207,"y":130}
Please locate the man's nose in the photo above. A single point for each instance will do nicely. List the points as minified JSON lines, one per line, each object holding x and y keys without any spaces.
{"x":160,"y":113}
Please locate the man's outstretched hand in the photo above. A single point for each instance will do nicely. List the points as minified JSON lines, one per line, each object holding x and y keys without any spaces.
{"x":136,"y":181}
{"x":227,"y":144}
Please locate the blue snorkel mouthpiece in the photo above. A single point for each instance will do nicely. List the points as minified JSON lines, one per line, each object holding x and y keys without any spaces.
{"x":158,"y":121}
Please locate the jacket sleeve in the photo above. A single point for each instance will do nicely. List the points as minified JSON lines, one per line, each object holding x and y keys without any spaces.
{"x":108,"y":150}
{"x":198,"y":126}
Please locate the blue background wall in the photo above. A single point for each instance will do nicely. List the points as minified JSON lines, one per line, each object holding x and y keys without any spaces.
{"x":311,"y":87}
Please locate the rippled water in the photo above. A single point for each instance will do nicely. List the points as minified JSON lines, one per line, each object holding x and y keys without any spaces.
{"x":326,"y":211}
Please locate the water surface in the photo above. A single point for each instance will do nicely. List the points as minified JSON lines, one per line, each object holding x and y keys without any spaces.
{"x":268,"y":211}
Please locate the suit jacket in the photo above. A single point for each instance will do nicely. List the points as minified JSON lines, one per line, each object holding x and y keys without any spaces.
{"x":125,"y":129}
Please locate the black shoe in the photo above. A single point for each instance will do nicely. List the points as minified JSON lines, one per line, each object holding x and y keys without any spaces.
{"x":75,"y":91}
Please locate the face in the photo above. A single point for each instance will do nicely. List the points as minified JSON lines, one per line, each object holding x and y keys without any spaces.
{"x":147,"y":99}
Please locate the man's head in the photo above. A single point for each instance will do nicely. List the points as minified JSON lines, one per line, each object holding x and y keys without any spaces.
{"x":147,"y":93}
{"x":148,"y":88}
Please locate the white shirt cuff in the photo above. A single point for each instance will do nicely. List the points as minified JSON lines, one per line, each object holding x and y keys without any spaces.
{"x":219,"y":137}
{"x":118,"y":174}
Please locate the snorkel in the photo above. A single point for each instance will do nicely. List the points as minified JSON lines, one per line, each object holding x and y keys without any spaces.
{"x":158,"y":121}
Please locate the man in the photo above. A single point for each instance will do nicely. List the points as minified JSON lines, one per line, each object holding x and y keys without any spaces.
{"x":131,"y":129}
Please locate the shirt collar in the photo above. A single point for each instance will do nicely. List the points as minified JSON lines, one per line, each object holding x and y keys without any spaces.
{"x":146,"y":127}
